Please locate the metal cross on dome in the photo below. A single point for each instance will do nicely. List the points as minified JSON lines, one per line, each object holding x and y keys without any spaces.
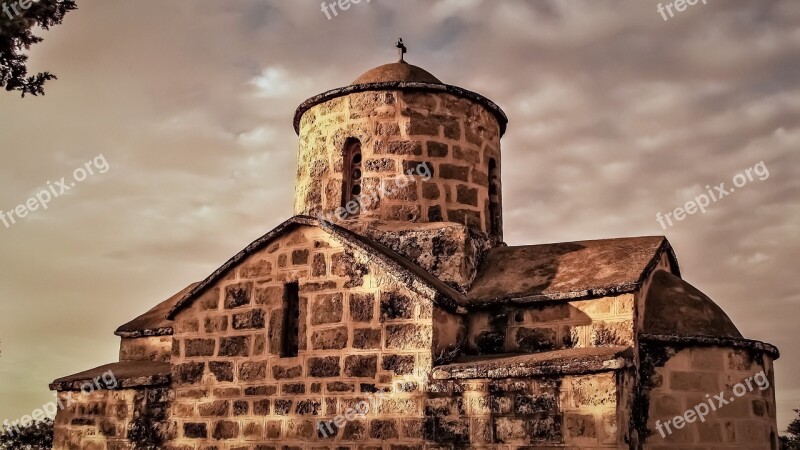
{"x":401,"y":48}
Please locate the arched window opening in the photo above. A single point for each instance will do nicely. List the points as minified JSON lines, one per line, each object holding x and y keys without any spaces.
{"x":351,"y":178}
{"x":494,"y":198}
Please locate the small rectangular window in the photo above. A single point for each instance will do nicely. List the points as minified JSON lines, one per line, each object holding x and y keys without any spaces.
{"x":290,"y":332}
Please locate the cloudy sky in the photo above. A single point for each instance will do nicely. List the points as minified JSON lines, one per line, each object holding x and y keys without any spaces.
{"x":615,"y":115}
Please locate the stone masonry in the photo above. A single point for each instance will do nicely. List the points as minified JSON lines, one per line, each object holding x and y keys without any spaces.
{"x":409,"y":325}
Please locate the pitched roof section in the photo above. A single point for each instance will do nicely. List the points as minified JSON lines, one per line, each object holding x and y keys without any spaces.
{"x":153,"y":322}
{"x":568,"y":270}
{"x":558,"y":362}
{"x":120,"y":375}
{"x":406,"y":271}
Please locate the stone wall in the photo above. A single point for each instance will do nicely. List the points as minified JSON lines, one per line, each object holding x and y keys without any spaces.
{"x":526,"y":413}
{"x":150,"y":348}
{"x":542,"y":327}
{"x":361,"y":333}
{"x":399,"y":130}
{"x":685,"y":380}
{"x":448,"y":251}
{"x":113,"y":420}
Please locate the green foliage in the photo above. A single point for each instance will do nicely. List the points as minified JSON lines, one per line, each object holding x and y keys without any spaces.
{"x":16,"y":36}
{"x":36,"y":436}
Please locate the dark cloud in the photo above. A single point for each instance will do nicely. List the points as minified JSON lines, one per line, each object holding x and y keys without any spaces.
{"x":615,"y":115}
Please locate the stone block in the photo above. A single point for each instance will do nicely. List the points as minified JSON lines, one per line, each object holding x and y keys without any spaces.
{"x":234,"y":346}
{"x":200,"y":347}
{"x":361,"y":366}
{"x":395,"y":305}
{"x":535,"y":340}
{"x":453,"y":172}
{"x":408,"y":336}
{"x":252,"y":371}
{"x":238,"y":295}
{"x":250,"y":320}
{"x":222,"y":371}
{"x":367,"y":338}
{"x":225,"y":429}
{"x":330,"y":339}
{"x":326,"y":308}
{"x":362,"y":306}
{"x":399,"y":364}
{"x":324,"y":367}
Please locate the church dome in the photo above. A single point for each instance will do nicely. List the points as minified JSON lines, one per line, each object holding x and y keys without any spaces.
{"x":396,"y":72}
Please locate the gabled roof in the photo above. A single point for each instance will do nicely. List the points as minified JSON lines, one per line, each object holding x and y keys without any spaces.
{"x":153,"y":322}
{"x":410,"y":274}
{"x":568,"y":270}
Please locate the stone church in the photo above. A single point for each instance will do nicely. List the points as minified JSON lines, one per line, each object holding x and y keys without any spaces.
{"x":406,"y":323}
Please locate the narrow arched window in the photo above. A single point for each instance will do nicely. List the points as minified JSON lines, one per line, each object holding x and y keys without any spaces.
{"x":351,"y":178}
{"x":494,"y":198}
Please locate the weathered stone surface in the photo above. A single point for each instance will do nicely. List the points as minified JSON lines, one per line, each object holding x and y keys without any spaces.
{"x":200,"y":347}
{"x":533,"y":340}
{"x":234,"y":346}
{"x":286,"y":372}
{"x":408,"y":336}
{"x":362,"y":306}
{"x":399,"y":364}
{"x":269,"y":295}
{"x":252,"y":371}
{"x":250,"y":320}
{"x":454,"y":172}
{"x":437,"y":149}
{"x":367,"y":338}
{"x":327,"y":308}
{"x":330,"y":339}
{"x":383,"y":429}
{"x":222,"y":370}
{"x":195,"y":430}
{"x":225,"y":429}
{"x":324,"y":367}
{"x":237,"y":295}
{"x":188,"y":373}
{"x":319,"y":267}
{"x":395,"y":305}
{"x":361,"y":366}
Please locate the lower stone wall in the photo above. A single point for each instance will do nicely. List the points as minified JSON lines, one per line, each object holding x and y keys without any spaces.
{"x":575,"y":412}
{"x":127,"y":419}
{"x":692,"y":377}
{"x":600,"y":322}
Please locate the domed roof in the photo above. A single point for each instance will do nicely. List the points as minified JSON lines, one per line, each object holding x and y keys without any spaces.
{"x":675,"y":307}
{"x":399,"y":71}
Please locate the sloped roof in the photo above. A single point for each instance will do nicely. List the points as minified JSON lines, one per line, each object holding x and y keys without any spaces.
{"x":558,"y":362}
{"x":567,"y":270}
{"x":154,"y":322}
{"x":126,"y":374}
{"x":406,"y":271}
{"x":675,"y":307}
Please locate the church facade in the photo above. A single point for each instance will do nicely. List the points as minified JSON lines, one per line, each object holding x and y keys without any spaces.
{"x":389,"y":314}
